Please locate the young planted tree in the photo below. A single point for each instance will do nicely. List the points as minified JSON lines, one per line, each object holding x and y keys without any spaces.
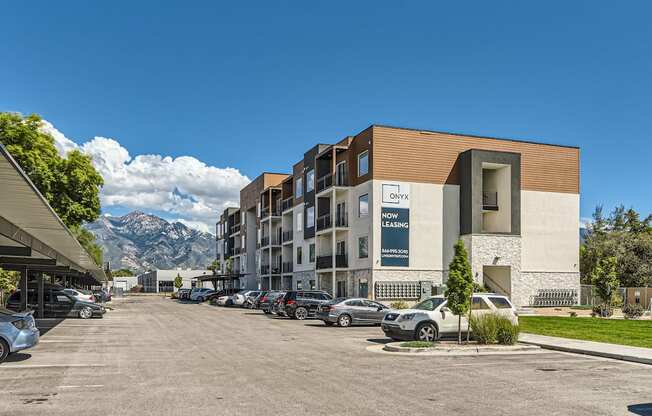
{"x":459,"y":286}
{"x":178,"y":282}
{"x":8,"y":283}
{"x":606,"y":282}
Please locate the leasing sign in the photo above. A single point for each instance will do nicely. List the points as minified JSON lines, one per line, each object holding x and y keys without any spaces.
{"x":395,"y":225}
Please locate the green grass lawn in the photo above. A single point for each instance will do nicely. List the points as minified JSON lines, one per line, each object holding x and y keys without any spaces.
{"x":613,"y":331}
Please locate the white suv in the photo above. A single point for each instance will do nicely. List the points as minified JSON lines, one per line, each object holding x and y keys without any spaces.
{"x":429,"y":319}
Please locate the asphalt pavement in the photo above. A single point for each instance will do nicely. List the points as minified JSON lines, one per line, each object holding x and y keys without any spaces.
{"x":155,"y":356}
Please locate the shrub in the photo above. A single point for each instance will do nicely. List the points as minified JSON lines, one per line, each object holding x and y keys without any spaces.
{"x":492,"y":328}
{"x":603,"y":310}
{"x":507,"y":333}
{"x":399,"y":304}
{"x":633,"y":311}
{"x":573,"y":314}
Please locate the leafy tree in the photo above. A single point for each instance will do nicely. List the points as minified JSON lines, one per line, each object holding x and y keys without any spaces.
{"x":605,"y":279}
{"x":8,"y":283}
{"x":122,"y":273}
{"x":459,"y":286}
{"x":229,"y":265}
{"x":70,"y":185}
{"x":215,"y":265}
{"x":178,"y":281}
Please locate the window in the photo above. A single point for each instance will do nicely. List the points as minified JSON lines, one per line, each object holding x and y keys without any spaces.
{"x":429,"y":304}
{"x":478,"y":304}
{"x":500,"y":303}
{"x":311,"y":253}
{"x":300,"y":221}
{"x":310,"y":217}
{"x":363,"y":205}
{"x":363,"y":247}
{"x":352,"y":302}
{"x":363,"y":163}
{"x":299,"y":255}
{"x":298,"y":190}
{"x":310,"y":181}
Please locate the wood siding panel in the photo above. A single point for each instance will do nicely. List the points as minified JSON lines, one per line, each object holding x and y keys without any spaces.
{"x":417,"y":156}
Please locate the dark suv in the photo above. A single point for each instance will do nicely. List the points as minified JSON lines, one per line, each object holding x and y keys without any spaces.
{"x":301,"y":304}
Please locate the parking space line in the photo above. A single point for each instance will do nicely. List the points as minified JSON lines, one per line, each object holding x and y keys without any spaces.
{"x":87,"y":386}
{"x":32,"y":366}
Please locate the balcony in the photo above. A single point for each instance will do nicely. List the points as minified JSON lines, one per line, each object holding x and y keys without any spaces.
{"x":326,"y":262}
{"x":287,"y":204}
{"x":287,"y":237}
{"x":264,"y":241}
{"x":287,"y":267}
{"x":274,"y":240}
{"x":489,"y":201}
{"x":328,"y":180}
{"x":267,"y":212}
{"x":235,"y":229}
{"x":324,"y":222}
{"x":264,"y":269}
{"x":238,"y":250}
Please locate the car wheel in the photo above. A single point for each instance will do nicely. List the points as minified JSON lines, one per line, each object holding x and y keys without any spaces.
{"x":4,"y":350}
{"x":344,"y":320}
{"x":426,"y":332}
{"x":200,"y":299}
{"x":301,"y":313}
{"x":86,"y":313}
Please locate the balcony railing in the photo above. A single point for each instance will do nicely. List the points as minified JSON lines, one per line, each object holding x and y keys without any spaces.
{"x":287,"y":204}
{"x":342,"y":219}
{"x":490,"y":201}
{"x":235,"y":229}
{"x":238,"y":250}
{"x":341,"y":179}
{"x":264,"y":241}
{"x":324,"y":222}
{"x":287,"y":267}
{"x":326,"y":262}
{"x":266,"y":212}
{"x":264,"y":269}
{"x":287,"y":236}
{"x":324,"y":182}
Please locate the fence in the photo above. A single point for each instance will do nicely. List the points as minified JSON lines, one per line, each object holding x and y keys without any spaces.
{"x":630,"y":295}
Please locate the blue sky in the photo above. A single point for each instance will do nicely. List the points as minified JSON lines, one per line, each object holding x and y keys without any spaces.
{"x":226,"y":83}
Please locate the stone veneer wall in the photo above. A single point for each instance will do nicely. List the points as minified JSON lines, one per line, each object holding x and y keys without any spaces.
{"x":493,"y":250}
{"x":529,"y":283}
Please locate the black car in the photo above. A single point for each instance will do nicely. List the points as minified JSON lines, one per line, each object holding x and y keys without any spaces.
{"x":301,"y":304}
{"x":57,"y":304}
{"x":266,"y":302}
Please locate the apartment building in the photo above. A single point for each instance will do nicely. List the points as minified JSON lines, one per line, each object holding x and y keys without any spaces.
{"x":377,"y":214}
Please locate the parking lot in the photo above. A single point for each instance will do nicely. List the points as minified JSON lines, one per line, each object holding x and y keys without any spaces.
{"x":152,"y":356}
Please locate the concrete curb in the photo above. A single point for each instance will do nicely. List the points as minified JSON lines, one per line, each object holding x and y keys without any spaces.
{"x":451,"y":349}
{"x":594,"y":353}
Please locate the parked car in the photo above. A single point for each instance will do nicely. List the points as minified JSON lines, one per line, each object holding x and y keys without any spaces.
{"x":17,"y":332}
{"x":256,"y":301}
{"x":356,"y":311}
{"x":250,"y":299}
{"x":57,"y":304}
{"x":302,"y":304}
{"x":201,"y":294}
{"x":183,"y":294}
{"x":101,"y":296}
{"x":430,"y":319}
{"x":267,"y":301}
{"x":79,"y":294}
{"x":240,"y":298}
{"x":224,"y":300}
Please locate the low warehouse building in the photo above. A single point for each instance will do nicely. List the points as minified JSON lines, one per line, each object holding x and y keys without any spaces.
{"x":162,"y":281}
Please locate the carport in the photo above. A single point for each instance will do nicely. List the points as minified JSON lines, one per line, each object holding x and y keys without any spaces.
{"x":228,"y":280}
{"x":34,"y":241}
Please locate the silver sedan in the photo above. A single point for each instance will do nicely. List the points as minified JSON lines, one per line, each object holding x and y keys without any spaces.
{"x":354,"y":311}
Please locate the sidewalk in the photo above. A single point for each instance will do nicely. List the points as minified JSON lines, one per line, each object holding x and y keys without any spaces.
{"x":598,"y":349}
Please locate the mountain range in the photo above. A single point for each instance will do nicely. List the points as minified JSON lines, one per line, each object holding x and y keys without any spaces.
{"x":141,"y":242}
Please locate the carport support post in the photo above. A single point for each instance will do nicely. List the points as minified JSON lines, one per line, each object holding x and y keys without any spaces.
{"x":23,"y":288}
{"x":40,"y":291}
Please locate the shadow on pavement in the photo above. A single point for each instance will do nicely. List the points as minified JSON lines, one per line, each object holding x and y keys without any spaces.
{"x":46,"y":325}
{"x":17,"y":357}
{"x":643,"y":409}
{"x":379,"y":340}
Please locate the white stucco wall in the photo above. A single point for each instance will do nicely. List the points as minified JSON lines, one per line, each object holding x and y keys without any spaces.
{"x":550,"y":231}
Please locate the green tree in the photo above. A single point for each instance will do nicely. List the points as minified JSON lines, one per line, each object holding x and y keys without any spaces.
{"x":8,"y":283}
{"x":178,"y":281}
{"x":122,"y":273}
{"x":605,"y":279}
{"x":459,"y":286}
{"x":70,"y":185}
{"x":215,"y":265}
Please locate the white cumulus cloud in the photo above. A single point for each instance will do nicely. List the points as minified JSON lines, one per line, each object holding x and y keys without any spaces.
{"x":184,"y":187}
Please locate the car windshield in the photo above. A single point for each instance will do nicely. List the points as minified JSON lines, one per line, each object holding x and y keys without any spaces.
{"x":429,"y":304}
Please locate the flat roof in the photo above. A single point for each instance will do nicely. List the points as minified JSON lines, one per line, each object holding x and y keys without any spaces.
{"x":34,"y":222}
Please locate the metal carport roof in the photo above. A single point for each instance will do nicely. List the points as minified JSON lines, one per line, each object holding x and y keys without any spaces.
{"x":26,"y":218}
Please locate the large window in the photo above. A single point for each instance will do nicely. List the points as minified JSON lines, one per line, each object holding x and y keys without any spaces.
{"x":300,"y":221}
{"x":298,"y":190}
{"x":363,"y":205}
{"x":363,"y":163}
{"x":310,"y":217}
{"x":310,"y":181}
{"x":363,"y":247}
{"x":311,"y":253}
{"x":299,"y":255}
